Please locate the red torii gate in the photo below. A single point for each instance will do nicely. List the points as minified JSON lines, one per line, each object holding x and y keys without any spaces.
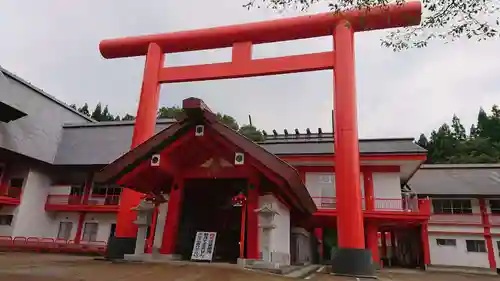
{"x":351,"y":258}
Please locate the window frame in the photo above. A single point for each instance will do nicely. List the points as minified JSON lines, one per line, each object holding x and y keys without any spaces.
{"x":494,"y":210}
{"x":9,"y":220}
{"x":92,"y":236}
{"x":70,"y":223}
{"x":442,"y":206}
{"x":479,"y":246}
{"x":444,"y":242}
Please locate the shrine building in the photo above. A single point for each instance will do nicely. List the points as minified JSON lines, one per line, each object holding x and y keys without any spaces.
{"x":126,"y":188}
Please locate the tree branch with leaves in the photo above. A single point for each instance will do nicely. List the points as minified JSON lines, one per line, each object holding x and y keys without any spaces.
{"x":443,"y":20}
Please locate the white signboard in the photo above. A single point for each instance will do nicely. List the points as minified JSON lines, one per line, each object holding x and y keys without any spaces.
{"x":204,"y":246}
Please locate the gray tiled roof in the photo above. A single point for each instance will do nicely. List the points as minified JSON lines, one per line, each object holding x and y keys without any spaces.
{"x":41,"y":92}
{"x":457,"y":179}
{"x":324,"y":145}
{"x":102,"y":143}
{"x":97,"y":143}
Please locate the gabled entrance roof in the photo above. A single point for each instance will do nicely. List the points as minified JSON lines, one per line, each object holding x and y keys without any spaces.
{"x":179,"y":146}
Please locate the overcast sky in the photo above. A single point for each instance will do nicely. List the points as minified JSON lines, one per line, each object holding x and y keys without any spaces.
{"x":54,"y":45}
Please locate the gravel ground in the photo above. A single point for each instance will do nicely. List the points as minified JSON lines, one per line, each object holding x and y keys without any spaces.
{"x":52,"y":267}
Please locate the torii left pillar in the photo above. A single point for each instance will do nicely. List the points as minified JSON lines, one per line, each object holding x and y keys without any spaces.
{"x":126,"y":231}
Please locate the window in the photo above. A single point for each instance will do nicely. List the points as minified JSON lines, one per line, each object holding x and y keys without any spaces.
{"x":452,"y":206}
{"x":446,"y":242}
{"x":1,"y":171}
{"x":6,"y":219}
{"x":65,"y":228}
{"x":325,"y":179}
{"x":98,"y":189}
{"x":495,"y":206}
{"x":90,"y":231}
{"x":478,"y":246}
{"x":77,"y":189}
{"x":16,"y":182}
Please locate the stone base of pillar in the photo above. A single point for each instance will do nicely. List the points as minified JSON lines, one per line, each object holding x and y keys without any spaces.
{"x":118,"y":247}
{"x":152,"y":258}
{"x":353,"y":262}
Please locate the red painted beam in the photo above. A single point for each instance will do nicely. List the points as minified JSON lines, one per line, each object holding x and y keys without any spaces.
{"x":258,"y":67}
{"x":309,"y":26}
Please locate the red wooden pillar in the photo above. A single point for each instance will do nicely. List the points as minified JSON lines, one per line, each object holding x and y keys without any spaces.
{"x":144,"y":129}
{"x":424,"y":235}
{"x":350,"y":216}
{"x":318,"y":232}
{"x":383,"y":241}
{"x":485,"y":219}
{"x":372,"y":242}
{"x":81,"y":217}
{"x":171,"y":229}
{"x":351,"y":258}
{"x":152,"y":230}
{"x":253,"y":249}
{"x":4,"y":181}
{"x":393,"y":244}
{"x":369,"y":192}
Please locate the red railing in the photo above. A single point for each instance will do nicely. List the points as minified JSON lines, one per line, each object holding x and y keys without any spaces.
{"x":380,"y":204}
{"x":57,"y":201}
{"x":11,"y":195}
{"x":39,"y":244}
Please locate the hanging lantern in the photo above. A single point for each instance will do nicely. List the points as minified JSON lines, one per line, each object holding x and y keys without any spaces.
{"x":238,"y":200}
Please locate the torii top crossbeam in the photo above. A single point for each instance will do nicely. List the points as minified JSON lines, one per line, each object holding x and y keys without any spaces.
{"x":389,"y":16}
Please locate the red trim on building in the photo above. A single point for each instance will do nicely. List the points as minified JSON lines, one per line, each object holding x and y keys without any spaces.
{"x":79,"y":228}
{"x":369,"y":192}
{"x":487,"y":233}
{"x":331,"y":159}
{"x":363,"y":169}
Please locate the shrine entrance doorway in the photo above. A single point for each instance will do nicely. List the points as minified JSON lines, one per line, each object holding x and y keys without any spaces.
{"x":207,"y":206}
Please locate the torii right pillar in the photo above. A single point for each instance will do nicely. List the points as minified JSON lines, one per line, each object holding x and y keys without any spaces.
{"x":351,"y":258}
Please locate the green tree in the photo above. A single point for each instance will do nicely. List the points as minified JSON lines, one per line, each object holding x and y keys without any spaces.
{"x":128,"y":117}
{"x":458,"y":129}
{"x":170,"y":112}
{"x":422,"y":141}
{"x":453,"y":145}
{"x":84,"y":110}
{"x":444,"y":20}
{"x":97,"y":113}
{"x":251,"y":132}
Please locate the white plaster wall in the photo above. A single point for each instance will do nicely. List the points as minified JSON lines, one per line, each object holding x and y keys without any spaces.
{"x":323,"y":184}
{"x":302,"y":246}
{"x":104,"y":220}
{"x":160,"y":225}
{"x":387,"y":185}
{"x":456,"y":255}
{"x":495,"y":230}
{"x":59,"y":217}
{"x":495,"y":241}
{"x":60,"y":189}
{"x":6,"y":230}
{"x":456,"y":228}
{"x":31,"y":219}
{"x":280,"y":235}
